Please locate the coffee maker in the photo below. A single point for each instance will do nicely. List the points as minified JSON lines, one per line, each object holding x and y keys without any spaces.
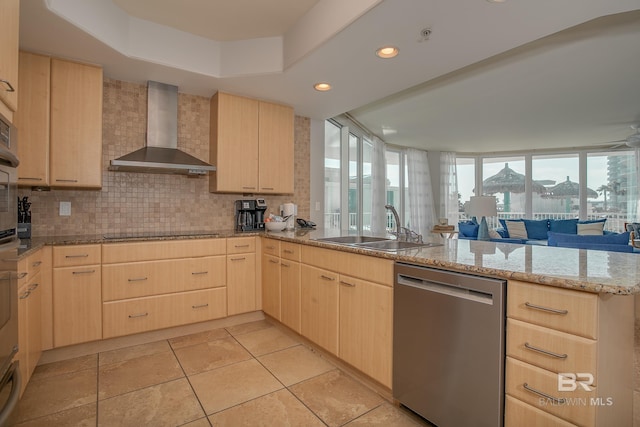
{"x":250,"y":214}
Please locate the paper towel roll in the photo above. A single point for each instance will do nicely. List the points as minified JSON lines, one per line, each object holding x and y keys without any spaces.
{"x":290,"y":209}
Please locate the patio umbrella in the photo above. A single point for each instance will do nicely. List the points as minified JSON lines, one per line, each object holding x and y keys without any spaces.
{"x":568,"y":190}
{"x":508,"y":181}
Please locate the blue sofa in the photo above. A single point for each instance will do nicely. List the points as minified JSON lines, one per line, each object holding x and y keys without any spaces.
{"x":552,"y":232}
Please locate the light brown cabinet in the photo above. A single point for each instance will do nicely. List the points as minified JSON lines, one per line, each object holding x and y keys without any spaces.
{"x":76,"y":124}
{"x":32,"y":118}
{"x":9,"y":21}
{"x":553,"y":331}
{"x":252,"y":145}
{"x":241,"y":275}
{"x":154,"y":285}
{"x":319,"y":307}
{"x":77,"y":294}
{"x":271,"y":286}
{"x":290,"y":285}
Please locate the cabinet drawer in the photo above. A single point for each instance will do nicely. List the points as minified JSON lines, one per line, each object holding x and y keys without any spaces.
{"x":23,"y":272}
{"x":239,"y":245}
{"x":579,"y":410}
{"x":320,"y":257}
{"x":271,"y":247}
{"x":566,"y":310}
{"x":132,"y":280}
{"x":151,"y":251}
{"x":34,"y":263}
{"x":516,"y":411}
{"x":66,"y":256}
{"x":201,"y":273}
{"x":550,"y":349}
{"x":290,"y":251}
{"x":164,"y":311}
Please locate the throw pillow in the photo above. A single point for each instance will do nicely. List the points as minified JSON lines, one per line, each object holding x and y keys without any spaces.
{"x":536,"y":229}
{"x":503,"y":223}
{"x":468,"y":229}
{"x":516,"y":229}
{"x":591,"y":229}
{"x":493,"y":234}
{"x":563,"y":226}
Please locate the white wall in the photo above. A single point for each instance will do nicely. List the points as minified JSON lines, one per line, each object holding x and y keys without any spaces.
{"x":317,"y":172}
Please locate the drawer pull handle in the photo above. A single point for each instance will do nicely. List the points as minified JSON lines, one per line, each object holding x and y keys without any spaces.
{"x":196,"y":273}
{"x":200,"y":306}
{"x":284,"y":264}
{"x":248,"y":188}
{"x":27,"y":178}
{"x":322,"y":276}
{"x":36,"y":264}
{"x":273,"y":261}
{"x":545,"y":395}
{"x":547,"y":352}
{"x":8,"y":84}
{"x":271,"y":247}
{"x":138,"y":279}
{"x":241,"y":246}
{"x":547,"y":309}
{"x":25,"y":295}
{"x":287,"y":251}
{"x":238,"y":259}
{"x":133,"y":316}
{"x":84,"y":272}
{"x":342,"y":282}
{"x":267,"y":188}
{"x":22,"y":275}
{"x":33,"y":287}
{"x":77,"y":256}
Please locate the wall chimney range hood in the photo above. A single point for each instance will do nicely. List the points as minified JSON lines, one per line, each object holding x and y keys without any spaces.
{"x":161,"y":154}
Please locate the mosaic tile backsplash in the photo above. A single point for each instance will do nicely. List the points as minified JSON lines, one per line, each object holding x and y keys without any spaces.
{"x":140,"y":202}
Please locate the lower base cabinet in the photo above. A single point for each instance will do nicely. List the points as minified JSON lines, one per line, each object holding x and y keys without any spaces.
{"x":241,"y":275}
{"x":156,"y":312}
{"x":319,"y":307}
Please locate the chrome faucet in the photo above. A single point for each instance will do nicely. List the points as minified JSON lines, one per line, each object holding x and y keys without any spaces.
{"x":396,"y":217}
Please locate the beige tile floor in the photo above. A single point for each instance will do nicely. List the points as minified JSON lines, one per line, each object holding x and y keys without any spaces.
{"x":251,"y":374}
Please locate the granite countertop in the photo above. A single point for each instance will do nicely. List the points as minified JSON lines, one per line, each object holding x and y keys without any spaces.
{"x":579,"y":269}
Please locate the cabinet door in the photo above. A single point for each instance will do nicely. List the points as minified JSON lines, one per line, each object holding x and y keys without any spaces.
{"x":319,"y":307}
{"x":233,"y":143}
{"x":23,"y":336}
{"x":76,"y":125}
{"x":34,"y":322}
{"x":290,"y":294}
{"x":9,"y":19}
{"x":241,"y":283}
{"x":366,"y":327}
{"x":271,"y":286}
{"x":32,"y":118}
{"x":77,"y":305}
{"x":276,"y":148}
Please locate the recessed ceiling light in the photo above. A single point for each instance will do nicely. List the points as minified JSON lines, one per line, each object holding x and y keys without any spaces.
{"x":322,"y":86}
{"x":387,"y":52}
{"x":496,"y":1}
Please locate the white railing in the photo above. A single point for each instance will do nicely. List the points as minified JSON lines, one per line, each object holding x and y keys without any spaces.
{"x":615,"y":221}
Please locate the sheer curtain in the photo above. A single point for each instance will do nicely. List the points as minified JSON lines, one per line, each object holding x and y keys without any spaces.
{"x":422,"y":215}
{"x":448,"y":187}
{"x":378,"y":187}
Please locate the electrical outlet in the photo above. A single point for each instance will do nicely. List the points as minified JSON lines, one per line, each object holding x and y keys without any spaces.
{"x":65,"y":208}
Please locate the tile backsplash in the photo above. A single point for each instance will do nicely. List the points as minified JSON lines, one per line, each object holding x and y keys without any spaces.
{"x":140,"y":202}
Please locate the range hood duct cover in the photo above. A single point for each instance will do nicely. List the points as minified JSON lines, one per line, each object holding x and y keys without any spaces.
{"x":161,"y":154}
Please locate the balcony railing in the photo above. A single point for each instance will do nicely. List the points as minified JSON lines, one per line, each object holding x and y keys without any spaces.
{"x":615,"y":221}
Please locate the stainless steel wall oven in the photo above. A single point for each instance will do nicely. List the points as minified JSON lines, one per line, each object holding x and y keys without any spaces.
{"x":9,"y":372}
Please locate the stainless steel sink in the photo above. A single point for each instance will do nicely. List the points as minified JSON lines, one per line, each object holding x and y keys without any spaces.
{"x":353,"y":240}
{"x":395,"y":245}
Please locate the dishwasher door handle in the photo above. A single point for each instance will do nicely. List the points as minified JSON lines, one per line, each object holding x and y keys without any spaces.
{"x":446,"y":289}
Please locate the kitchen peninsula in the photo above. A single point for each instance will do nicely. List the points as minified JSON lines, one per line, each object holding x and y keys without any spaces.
{"x":596,"y":288}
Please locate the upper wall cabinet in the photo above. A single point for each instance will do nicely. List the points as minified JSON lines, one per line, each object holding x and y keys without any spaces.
{"x":9,"y":19}
{"x":60,"y":122}
{"x":32,"y":118}
{"x":251,"y":146}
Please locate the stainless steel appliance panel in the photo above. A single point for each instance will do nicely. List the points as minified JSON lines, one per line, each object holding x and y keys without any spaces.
{"x":448,"y":350}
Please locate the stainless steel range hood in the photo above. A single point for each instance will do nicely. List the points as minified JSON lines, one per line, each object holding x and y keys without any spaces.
{"x":161,"y":154}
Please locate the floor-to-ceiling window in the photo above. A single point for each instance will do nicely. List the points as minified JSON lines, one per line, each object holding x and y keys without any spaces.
{"x":332,"y":168}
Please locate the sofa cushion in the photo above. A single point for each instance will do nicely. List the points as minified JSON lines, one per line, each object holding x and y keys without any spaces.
{"x":468,"y":229}
{"x":516,"y":229}
{"x":591,"y":228}
{"x":561,"y":239}
{"x":536,"y":229}
{"x":569,"y":226}
{"x":596,"y":247}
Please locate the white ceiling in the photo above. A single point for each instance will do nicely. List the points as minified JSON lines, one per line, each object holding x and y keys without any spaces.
{"x":491,"y":77}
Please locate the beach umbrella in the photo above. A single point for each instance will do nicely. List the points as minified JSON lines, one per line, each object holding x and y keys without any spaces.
{"x":508,"y":181}
{"x":568,"y":190}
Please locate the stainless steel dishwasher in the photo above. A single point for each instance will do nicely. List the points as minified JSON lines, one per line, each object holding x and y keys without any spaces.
{"x":448,"y":346}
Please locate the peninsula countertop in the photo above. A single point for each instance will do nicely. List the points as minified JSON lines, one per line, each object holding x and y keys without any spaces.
{"x":579,"y":269}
